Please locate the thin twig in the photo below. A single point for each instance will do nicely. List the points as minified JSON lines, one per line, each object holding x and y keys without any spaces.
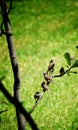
{"x":55,"y":76}
{"x":36,"y":103}
{"x":60,"y":75}
{"x":10,"y":8}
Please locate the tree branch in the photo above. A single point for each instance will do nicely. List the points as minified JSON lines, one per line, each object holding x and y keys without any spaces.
{"x":36,"y":103}
{"x":60,"y":75}
{"x":51,"y":81}
{"x":19,"y":106}
{"x":14,"y":62}
{"x":10,"y":8}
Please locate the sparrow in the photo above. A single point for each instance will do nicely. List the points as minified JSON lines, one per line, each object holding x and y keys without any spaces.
{"x":47,"y":78}
{"x":44,"y":86}
{"x":51,"y":66}
{"x":37,"y":96}
{"x":62,"y":70}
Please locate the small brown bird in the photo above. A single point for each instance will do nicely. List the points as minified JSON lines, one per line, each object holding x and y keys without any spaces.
{"x":44,"y":86}
{"x":51,"y":66}
{"x":37,"y":96}
{"x":47,"y":78}
{"x":62,"y":70}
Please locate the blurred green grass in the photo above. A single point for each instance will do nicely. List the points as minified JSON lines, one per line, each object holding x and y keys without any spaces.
{"x":42,"y":30}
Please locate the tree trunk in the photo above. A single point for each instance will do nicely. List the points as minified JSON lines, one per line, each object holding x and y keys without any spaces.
{"x":6,"y":22}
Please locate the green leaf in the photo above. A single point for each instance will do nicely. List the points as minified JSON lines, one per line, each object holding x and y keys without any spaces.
{"x":68,"y":58}
{"x":75,"y":72}
{"x":75,"y":64}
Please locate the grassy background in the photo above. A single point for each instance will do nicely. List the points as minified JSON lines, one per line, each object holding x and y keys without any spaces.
{"x":42,"y":30}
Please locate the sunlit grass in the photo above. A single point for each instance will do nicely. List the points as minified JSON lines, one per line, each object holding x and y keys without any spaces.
{"x":42,"y":30}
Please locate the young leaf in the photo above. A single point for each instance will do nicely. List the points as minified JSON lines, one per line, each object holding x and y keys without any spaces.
{"x":74,"y":72}
{"x":75,"y":64}
{"x":68,"y":58}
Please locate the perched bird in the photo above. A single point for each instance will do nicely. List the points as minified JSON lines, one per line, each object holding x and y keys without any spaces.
{"x":47,"y":78}
{"x":37,"y":96}
{"x":62,"y":70}
{"x":51,"y":66}
{"x":44,"y":86}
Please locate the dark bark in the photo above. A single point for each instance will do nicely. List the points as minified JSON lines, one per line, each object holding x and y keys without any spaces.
{"x":19,"y":106}
{"x":8,"y":33}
